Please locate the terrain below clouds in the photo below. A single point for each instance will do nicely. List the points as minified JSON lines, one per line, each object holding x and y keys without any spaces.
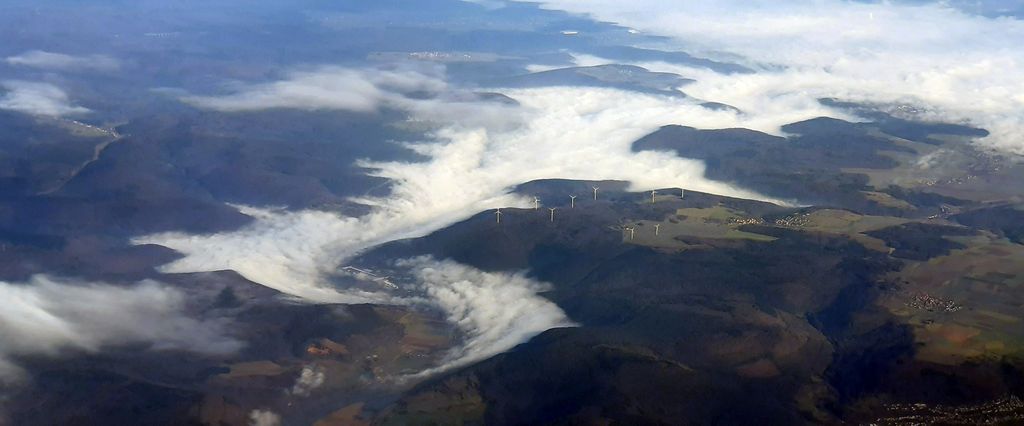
{"x":492,"y":212}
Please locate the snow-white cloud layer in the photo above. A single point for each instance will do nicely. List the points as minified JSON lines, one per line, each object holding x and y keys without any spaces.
{"x":323,"y":88}
{"x":63,"y":62}
{"x":479,"y":152}
{"x":420,"y":90}
{"x":293,"y":252}
{"x":37,"y":99}
{"x":483,"y":150}
{"x":957,"y":66}
{"x":45,"y":316}
{"x":494,"y":311}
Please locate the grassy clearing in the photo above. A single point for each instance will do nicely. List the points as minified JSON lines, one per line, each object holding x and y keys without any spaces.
{"x":716,"y":223}
{"x":987,"y":280}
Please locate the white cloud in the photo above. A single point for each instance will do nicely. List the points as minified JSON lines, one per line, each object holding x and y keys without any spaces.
{"x":293,"y":252}
{"x":488,"y":4}
{"x":324,"y":88}
{"x":960,"y":67}
{"x":419,"y":90}
{"x":46,"y":316}
{"x":264,"y":418}
{"x":309,"y":379}
{"x":535,"y":68}
{"x":60,"y":61}
{"x":37,"y":99}
{"x":560,"y":132}
{"x":494,"y":311}
{"x":473,"y":164}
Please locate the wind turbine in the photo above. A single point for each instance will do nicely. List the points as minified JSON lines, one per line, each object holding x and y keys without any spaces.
{"x":682,"y":194}
{"x":657,"y":227}
{"x":536,"y":203}
{"x":631,"y":232}
{"x":572,"y":201}
{"x":595,"y":192}
{"x":497,"y":215}
{"x":552,"y":213}
{"x":653,"y":193}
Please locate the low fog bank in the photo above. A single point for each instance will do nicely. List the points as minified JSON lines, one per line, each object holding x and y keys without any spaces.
{"x":46,"y":316}
{"x":947,"y":64}
{"x":493,"y":311}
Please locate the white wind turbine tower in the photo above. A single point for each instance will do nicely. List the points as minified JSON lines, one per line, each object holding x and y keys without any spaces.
{"x":653,"y":193}
{"x":572,"y":201}
{"x":497,"y":215}
{"x":595,"y":192}
{"x":536,"y":203}
{"x":631,"y":232}
{"x":682,"y":194}
{"x":657,"y":227}
{"x":552,"y":213}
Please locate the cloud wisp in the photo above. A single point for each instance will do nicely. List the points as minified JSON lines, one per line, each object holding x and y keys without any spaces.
{"x":419,"y":90}
{"x":494,"y":311}
{"x":324,"y":88}
{"x":488,"y":4}
{"x":264,"y":418}
{"x":46,"y":316}
{"x":62,"y":62}
{"x":955,"y":66}
{"x":310,"y":378}
{"x":37,"y":99}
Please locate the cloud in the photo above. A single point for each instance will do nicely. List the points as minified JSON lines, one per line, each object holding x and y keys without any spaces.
{"x":37,"y":99}
{"x":60,"y":61}
{"x":488,"y":4}
{"x":960,"y":67}
{"x":417,"y":89}
{"x":325,"y":88}
{"x":46,"y":316}
{"x":474,"y":160}
{"x":493,"y":311}
{"x":309,"y":379}
{"x":957,"y":66}
{"x":264,"y":418}
{"x":281,"y":250}
{"x":482,"y":151}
